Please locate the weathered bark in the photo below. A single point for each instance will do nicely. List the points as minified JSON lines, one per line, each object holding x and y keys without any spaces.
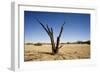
{"x":55,"y":47}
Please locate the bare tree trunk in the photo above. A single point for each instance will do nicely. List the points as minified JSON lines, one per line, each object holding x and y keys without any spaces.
{"x":55,"y":47}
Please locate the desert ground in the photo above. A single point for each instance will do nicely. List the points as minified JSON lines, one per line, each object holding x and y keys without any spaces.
{"x":67,"y":52}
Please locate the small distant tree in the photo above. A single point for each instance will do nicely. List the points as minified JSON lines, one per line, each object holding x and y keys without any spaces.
{"x":88,"y":42}
{"x":79,"y":42}
{"x":38,"y":44}
{"x":68,"y":42}
{"x":55,"y":47}
{"x":83,"y":42}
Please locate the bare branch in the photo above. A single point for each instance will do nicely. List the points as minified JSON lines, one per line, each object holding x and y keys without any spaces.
{"x":51,"y":31}
{"x":42,"y":25}
{"x":48,"y":28}
{"x":61,"y":29}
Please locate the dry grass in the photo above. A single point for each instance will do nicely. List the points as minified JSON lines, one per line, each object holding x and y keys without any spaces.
{"x":67,"y":52}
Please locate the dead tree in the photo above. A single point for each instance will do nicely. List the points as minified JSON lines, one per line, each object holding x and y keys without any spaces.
{"x":55,"y":47}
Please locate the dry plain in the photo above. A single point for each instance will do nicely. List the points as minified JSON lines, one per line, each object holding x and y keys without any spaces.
{"x":67,"y":52}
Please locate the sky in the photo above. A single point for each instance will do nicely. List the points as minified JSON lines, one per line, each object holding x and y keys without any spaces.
{"x":76,"y":28}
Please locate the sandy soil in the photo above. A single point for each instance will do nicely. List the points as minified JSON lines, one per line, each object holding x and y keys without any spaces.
{"x":67,"y":52}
